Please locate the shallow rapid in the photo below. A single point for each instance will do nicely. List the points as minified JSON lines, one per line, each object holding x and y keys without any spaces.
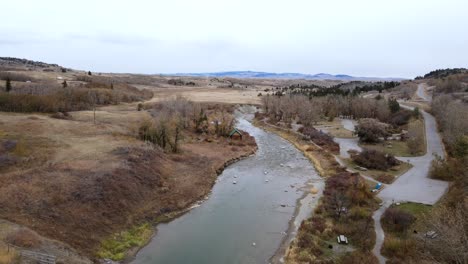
{"x":246,"y":222}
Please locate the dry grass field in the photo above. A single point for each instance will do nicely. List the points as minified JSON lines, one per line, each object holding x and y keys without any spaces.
{"x":209,"y":94}
{"x":80,"y":181}
{"x":70,"y":172}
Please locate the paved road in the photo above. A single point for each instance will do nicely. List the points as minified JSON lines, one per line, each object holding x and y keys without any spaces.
{"x":422,"y":92}
{"x":379,"y":233}
{"x":348,"y":124}
{"x":347,"y":144}
{"x":414,"y":185}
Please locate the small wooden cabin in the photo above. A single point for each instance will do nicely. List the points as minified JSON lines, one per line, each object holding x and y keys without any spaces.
{"x":235,"y":134}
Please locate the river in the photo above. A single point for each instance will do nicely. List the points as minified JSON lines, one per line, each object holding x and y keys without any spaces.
{"x":247,"y":222}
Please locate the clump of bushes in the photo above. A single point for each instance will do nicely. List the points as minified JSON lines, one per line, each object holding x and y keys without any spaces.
{"x":30,"y":103}
{"x":397,"y":220}
{"x":65,"y":100}
{"x":446,"y":170}
{"x":345,"y":209}
{"x":370,"y":130}
{"x":319,"y":138}
{"x":314,"y":225}
{"x":374,"y":159}
{"x":161,"y":133}
{"x":23,"y":238}
{"x":401,"y":117}
{"x":398,"y":248}
{"x":358,"y":257}
{"x":173,"y":118}
{"x":385,"y":178}
{"x":179,"y":82}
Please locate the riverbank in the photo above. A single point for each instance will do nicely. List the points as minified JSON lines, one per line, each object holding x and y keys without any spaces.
{"x":165,"y":218}
{"x":252,"y":203}
{"x":73,"y":171}
{"x":312,"y":245}
{"x":323,"y":160}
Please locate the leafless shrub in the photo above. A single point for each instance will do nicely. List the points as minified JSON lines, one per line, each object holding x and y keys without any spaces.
{"x":397,"y":220}
{"x":449,"y":113}
{"x":370,"y":130}
{"x":373,"y":159}
{"x":23,"y":238}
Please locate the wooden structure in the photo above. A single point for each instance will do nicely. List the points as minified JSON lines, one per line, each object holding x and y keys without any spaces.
{"x":342,"y":239}
{"x":37,"y":257}
{"x":235,"y":134}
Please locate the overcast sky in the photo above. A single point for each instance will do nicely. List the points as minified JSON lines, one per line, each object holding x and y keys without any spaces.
{"x":397,"y":38}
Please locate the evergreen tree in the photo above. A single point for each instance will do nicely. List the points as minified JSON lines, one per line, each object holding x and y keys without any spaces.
{"x":416,"y":112}
{"x":89,"y":73}
{"x":393,"y":105}
{"x":8,"y":85}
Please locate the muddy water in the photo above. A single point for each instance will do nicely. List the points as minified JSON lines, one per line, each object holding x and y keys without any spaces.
{"x":246,"y":222}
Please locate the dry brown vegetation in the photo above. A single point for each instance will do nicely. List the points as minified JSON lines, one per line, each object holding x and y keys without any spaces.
{"x":80,"y":183}
{"x":69,"y":99}
{"x":345,"y":209}
{"x":23,"y":238}
{"x":347,"y":204}
{"x":405,"y":240}
{"x":373,"y":159}
{"x":8,"y":256}
{"x":451,"y":117}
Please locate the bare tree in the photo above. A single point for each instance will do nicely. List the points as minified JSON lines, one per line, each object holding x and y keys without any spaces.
{"x":93,"y":99}
{"x":340,"y":203}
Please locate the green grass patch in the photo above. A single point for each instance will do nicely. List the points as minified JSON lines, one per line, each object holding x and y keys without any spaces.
{"x":378,"y":175}
{"x":415,"y":209}
{"x":398,"y":148}
{"x":116,"y":247}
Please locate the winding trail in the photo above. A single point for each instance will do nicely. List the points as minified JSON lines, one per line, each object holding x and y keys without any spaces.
{"x":422,"y":92}
{"x":412,"y":186}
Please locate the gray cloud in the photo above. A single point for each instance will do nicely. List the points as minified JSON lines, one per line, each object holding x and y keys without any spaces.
{"x":360,"y":37}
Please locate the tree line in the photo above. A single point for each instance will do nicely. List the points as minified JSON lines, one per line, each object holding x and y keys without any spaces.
{"x":343,"y":89}
{"x":171,"y":119}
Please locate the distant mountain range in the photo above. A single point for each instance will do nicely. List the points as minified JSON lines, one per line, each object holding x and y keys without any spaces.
{"x":270,"y":75}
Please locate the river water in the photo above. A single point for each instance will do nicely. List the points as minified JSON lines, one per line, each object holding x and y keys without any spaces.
{"x":246,"y":222}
